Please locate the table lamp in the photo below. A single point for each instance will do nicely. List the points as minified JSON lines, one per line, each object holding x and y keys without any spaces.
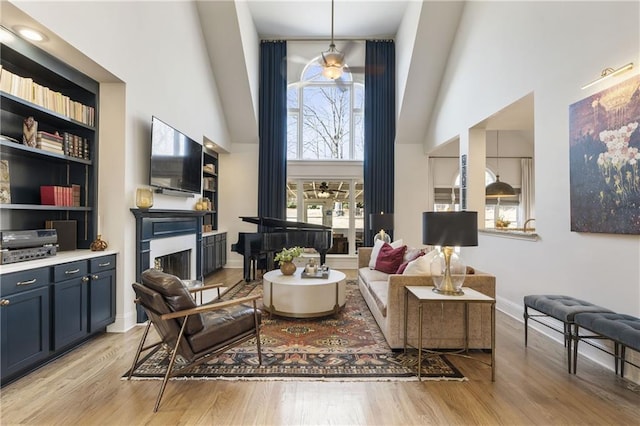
{"x":448,"y":230}
{"x":381,"y":222}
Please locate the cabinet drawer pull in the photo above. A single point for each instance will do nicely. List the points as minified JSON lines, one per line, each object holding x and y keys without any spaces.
{"x":27,"y":282}
{"x":95,"y":277}
{"x":102,"y":265}
{"x":4,"y":302}
{"x":85,"y":279}
{"x":72,"y":271}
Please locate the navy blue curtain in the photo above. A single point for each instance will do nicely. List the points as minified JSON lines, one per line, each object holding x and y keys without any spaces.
{"x":379,"y":130}
{"x":272,"y":166}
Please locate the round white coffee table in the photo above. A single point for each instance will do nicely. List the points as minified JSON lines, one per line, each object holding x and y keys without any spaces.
{"x":297,"y":297}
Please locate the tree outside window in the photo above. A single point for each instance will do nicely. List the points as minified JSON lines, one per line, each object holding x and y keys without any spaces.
{"x":325,"y":117}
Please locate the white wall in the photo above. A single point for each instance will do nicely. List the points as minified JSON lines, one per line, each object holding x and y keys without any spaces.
{"x":410,"y":198}
{"x":238,"y":194}
{"x":550,"y":49}
{"x":156,"y":49}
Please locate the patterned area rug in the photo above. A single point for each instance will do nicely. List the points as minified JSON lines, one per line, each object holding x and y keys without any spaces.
{"x":348,"y":346}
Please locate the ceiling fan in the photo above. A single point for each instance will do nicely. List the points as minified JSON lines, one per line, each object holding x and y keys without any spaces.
{"x":332,"y":60}
{"x":323,"y":190}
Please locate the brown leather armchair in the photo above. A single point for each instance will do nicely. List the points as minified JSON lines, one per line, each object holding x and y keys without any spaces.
{"x":191,"y":331}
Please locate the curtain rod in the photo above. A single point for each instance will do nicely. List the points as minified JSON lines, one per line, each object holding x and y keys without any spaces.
{"x":517,"y":158}
{"x":327,"y":40}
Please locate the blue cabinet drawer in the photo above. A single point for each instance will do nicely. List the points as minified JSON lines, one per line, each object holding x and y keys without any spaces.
{"x":24,"y":280}
{"x":103,"y":263}
{"x":70,"y":270}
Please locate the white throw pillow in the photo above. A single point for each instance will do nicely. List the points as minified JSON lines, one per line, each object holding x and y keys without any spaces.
{"x":421,"y":265}
{"x":411,"y":253}
{"x":376,"y":250}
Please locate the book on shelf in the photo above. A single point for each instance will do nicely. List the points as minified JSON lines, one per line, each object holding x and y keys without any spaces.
{"x":54,"y":137}
{"x":31,"y":91}
{"x":66,"y":231}
{"x":75,"y":190}
{"x":208,"y":184}
{"x":55,"y":195}
{"x":49,"y":142}
{"x":6,"y":80}
{"x":75,"y":146}
{"x":43,"y":146}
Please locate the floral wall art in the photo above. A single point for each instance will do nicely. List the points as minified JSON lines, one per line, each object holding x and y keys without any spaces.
{"x":605,"y":160}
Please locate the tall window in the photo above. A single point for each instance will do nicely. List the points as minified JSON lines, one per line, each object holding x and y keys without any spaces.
{"x":325,"y":120}
{"x":337,"y":204}
{"x":325,"y":128}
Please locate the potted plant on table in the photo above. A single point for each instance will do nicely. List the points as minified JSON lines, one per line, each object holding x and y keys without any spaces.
{"x":285,"y":258}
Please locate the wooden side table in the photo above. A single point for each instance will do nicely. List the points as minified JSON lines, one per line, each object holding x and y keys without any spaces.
{"x":425,"y":295}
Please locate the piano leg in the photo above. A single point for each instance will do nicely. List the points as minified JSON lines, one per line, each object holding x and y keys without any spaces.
{"x":323,"y":257}
{"x":254,"y":261}
{"x":247,"y":265}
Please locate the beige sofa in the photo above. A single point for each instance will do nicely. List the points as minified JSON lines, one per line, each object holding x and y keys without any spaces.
{"x":443,"y":324}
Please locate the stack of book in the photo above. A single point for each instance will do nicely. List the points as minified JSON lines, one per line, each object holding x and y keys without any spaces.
{"x":49,"y":142}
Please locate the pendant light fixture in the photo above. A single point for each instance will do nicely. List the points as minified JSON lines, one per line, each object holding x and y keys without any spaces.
{"x":332,"y":59}
{"x":499,"y":189}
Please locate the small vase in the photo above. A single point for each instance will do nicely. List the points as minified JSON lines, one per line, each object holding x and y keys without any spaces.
{"x":99,"y":244}
{"x":287,"y":268}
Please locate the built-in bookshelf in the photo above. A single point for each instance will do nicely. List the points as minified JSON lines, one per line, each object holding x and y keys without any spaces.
{"x":210,"y":188}
{"x":59,"y":154}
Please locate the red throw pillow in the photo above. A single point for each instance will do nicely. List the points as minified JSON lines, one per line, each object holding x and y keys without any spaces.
{"x":389,"y":259}
{"x":403,"y":265}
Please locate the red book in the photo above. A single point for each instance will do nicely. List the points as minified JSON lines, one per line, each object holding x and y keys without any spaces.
{"x":48,"y":195}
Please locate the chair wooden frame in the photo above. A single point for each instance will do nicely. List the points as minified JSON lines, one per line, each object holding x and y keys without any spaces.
{"x":196,"y":290}
{"x":184,"y":314}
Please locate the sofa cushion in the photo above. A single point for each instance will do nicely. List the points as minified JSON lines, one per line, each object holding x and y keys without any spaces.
{"x":421,"y":265}
{"x":369,"y":275}
{"x":404,"y":264}
{"x":376,"y":250}
{"x":379,"y":290}
{"x":389,"y":258}
{"x":412,"y":253}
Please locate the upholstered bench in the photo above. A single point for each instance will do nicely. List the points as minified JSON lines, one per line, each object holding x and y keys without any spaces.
{"x":623,"y":330}
{"x":560,"y":307}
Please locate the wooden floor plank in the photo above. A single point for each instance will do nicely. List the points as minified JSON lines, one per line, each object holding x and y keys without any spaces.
{"x":532,"y":387}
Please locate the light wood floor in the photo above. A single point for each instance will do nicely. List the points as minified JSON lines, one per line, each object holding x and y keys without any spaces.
{"x":532,"y":387}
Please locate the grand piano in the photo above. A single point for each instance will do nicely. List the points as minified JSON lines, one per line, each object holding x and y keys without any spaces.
{"x":276,"y":234}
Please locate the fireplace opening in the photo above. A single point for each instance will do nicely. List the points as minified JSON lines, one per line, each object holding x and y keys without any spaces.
{"x":178,"y":264}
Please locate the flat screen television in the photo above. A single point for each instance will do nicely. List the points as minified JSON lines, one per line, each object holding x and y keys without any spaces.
{"x":176,"y":159}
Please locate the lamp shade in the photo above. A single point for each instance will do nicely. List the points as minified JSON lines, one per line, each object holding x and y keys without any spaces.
{"x":450,"y":228}
{"x":379,"y":221}
{"x":499,"y":189}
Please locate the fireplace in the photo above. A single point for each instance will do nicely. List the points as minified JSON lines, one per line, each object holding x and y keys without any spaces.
{"x":178,"y":264}
{"x":165,"y":234}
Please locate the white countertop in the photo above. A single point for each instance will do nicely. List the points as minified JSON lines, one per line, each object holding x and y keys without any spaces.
{"x":60,"y":257}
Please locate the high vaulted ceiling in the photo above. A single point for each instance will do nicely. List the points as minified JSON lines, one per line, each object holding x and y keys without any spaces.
{"x":424,"y":32}
{"x":312,"y":19}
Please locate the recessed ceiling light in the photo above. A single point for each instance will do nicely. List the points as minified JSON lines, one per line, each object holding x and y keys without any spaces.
{"x":30,"y":33}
